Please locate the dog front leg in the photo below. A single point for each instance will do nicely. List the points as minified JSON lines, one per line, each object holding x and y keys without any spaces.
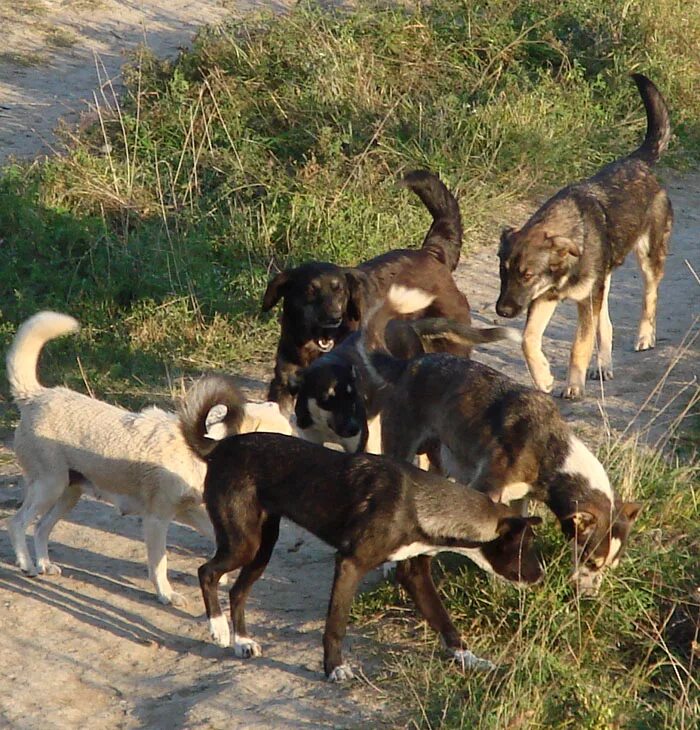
{"x":538,"y":316}
{"x":155,"y":532}
{"x":414,"y":575}
{"x":345,"y":581}
{"x":582,"y":349}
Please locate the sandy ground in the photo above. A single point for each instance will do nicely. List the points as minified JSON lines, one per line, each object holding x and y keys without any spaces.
{"x":93,"y":646}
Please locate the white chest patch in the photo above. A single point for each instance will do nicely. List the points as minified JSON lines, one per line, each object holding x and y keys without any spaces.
{"x":514,"y":490}
{"x":580,"y":460}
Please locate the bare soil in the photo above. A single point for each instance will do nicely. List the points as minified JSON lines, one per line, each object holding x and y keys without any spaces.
{"x":93,"y":647}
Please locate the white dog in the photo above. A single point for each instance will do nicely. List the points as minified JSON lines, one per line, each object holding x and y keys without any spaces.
{"x":68,"y":444}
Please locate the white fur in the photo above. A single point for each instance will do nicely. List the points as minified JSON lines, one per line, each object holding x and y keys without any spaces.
{"x":580,"y":460}
{"x":220,"y":631}
{"x":341,"y":674}
{"x":244,"y":647}
{"x":374,"y":437}
{"x":420,"y":548}
{"x":139,"y":462}
{"x":468,"y":660}
{"x":406,"y":301}
{"x":514,"y":490}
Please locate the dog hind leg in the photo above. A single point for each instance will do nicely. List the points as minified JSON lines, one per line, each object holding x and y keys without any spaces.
{"x":243,"y":645}
{"x":41,"y":495}
{"x":68,"y":499}
{"x":155,"y":533}
{"x":345,"y":581}
{"x":604,"y":367}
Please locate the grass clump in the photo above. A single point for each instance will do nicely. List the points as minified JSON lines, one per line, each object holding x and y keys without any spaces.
{"x":628,"y":659}
{"x":277,"y":139}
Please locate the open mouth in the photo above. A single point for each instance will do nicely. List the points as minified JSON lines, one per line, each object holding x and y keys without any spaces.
{"x":325,"y":344}
{"x":326,"y":340}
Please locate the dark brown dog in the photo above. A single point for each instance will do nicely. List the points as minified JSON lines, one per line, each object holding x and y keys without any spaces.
{"x":569,"y":247}
{"x":369,"y":508}
{"x":508,"y":441}
{"x":323,"y":303}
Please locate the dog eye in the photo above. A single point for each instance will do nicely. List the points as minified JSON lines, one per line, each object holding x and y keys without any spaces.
{"x":527,"y":275}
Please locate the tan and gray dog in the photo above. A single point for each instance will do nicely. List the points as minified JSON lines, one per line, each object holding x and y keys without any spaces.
{"x":570,"y":246}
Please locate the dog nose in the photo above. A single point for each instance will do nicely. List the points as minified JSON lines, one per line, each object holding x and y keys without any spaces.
{"x":349,"y":429}
{"x":505,"y":310}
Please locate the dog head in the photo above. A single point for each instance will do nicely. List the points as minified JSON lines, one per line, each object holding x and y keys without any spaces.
{"x":512,"y":554}
{"x":328,"y":406}
{"x":598,"y":537}
{"x":532,"y":261}
{"x":319,"y":298}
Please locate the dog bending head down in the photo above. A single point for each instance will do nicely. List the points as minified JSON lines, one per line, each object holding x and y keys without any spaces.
{"x":371,"y":509}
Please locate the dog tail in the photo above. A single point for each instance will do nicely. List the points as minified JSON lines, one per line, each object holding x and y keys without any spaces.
{"x":399,"y":301}
{"x":210,"y":391}
{"x":658,"y":124}
{"x":432,"y":328}
{"x":444,"y":237}
{"x":23,"y":355}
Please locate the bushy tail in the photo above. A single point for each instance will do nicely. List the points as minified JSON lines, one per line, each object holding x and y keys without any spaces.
{"x":23,"y":355}
{"x":433,"y":328}
{"x":658,"y":124}
{"x":210,"y":391}
{"x":444,"y":238}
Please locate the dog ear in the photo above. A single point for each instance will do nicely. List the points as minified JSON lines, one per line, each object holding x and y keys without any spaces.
{"x":506,"y":234}
{"x":275,"y":290}
{"x":631,"y":510}
{"x":580,"y":525}
{"x":357,"y":285}
{"x":514,"y":525}
{"x":564,"y":246}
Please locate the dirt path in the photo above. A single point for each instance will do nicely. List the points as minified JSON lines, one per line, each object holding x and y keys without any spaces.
{"x":93,"y":646}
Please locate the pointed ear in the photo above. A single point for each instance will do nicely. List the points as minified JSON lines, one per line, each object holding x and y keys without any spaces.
{"x":514,"y":525}
{"x":357,"y":281}
{"x":506,"y":234}
{"x":275,"y":290}
{"x":631,"y":510}
{"x":564,"y":246}
{"x":579,"y":524}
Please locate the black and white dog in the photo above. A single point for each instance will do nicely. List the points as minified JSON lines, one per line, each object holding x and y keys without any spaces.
{"x":369,"y":508}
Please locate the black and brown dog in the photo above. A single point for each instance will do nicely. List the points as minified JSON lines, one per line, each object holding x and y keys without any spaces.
{"x":369,"y":508}
{"x":324,"y":303}
{"x":570,"y":246}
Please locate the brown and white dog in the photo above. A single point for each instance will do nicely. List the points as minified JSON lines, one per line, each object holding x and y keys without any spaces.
{"x":324,"y":303}
{"x":69,"y":444}
{"x":570,"y":246}
{"x":369,"y":508}
{"x":507,"y":441}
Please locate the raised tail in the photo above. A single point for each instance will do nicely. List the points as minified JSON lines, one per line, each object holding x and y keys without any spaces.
{"x":23,"y":355}
{"x":444,"y":237}
{"x":658,"y":123}
{"x":210,"y":391}
{"x":432,"y":328}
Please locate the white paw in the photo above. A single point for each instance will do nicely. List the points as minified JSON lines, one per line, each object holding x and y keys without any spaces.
{"x":28,"y":568}
{"x":173,"y":598}
{"x":219,"y":630}
{"x":468,"y":660}
{"x":245,"y":647}
{"x":573,"y":392}
{"x":341,"y":674}
{"x":646,"y":341}
{"x":603,"y":371}
{"x":49,"y":568}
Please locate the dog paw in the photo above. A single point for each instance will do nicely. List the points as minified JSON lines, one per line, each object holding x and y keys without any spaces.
{"x":219,"y":631}
{"x":468,"y":660}
{"x":572,"y":392}
{"x":49,"y":568}
{"x":604,"y":372}
{"x":172,"y":599}
{"x":645,"y":342}
{"x":245,"y":647}
{"x":29,"y":569}
{"x":341,"y":674}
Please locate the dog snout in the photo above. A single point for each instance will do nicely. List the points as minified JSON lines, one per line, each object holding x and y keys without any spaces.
{"x":507,"y":309}
{"x":348,"y":428}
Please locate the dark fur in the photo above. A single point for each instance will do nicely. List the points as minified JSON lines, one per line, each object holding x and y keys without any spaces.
{"x":324,"y":303}
{"x":366,"y":507}
{"x":569,"y":247}
{"x":494,"y":433}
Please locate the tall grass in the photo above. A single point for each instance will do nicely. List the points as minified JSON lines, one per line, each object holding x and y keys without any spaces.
{"x":278,"y":138}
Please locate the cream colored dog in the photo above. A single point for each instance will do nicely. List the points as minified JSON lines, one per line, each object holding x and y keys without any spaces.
{"x":69,"y":444}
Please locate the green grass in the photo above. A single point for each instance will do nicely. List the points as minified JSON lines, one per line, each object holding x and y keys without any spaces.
{"x":628,"y":659}
{"x":278,"y":139}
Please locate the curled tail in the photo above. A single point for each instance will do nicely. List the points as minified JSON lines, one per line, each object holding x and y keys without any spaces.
{"x":432,"y":328}
{"x":444,"y":237}
{"x":23,"y":355}
{"x":658,"y":124}
{"x":210,"y":391}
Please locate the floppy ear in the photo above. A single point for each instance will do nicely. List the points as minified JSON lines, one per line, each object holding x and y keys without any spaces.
{"x":631,"y":510}
{"x":564,"y":246}
{"x":357,"y":283}
{"x":275,"y":290}
{"x":579,"y":524}
{"x":515,"y":524}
